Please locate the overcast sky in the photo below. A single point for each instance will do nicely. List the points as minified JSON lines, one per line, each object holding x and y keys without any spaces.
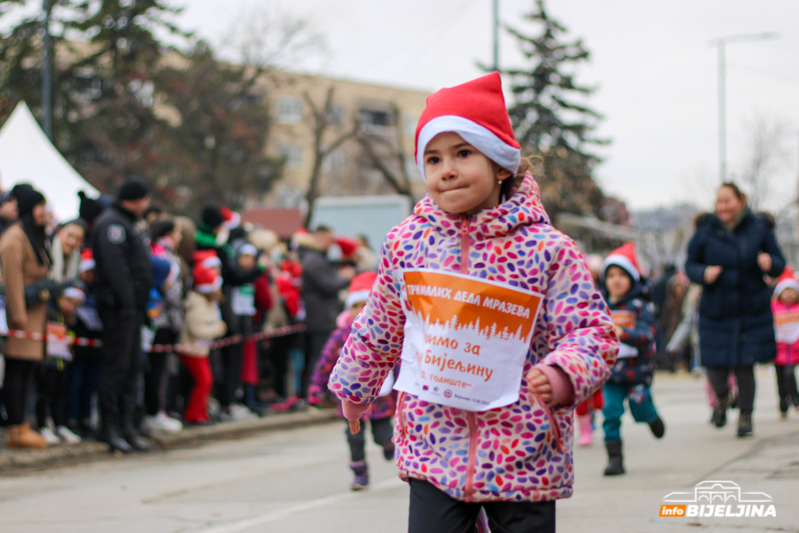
{"x":656,"y":71}
{"x":657,"y":74}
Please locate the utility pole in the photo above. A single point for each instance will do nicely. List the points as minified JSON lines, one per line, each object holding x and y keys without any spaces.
{"x":720,"y":43}
{"x":496,"y":34}
{"x":47,"y":73}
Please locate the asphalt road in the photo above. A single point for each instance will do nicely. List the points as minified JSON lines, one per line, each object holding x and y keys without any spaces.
{"x":297,"y":481}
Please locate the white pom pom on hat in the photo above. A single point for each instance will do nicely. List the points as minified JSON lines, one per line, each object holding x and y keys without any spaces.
{"x":476,"y":111}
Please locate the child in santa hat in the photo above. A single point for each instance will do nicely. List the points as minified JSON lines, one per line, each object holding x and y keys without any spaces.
{"x":382,"y":411}
{"x":482,"y":220}
{"x":631,"y":377}
{"x":202,"y":324}
{"x":785,"y":307}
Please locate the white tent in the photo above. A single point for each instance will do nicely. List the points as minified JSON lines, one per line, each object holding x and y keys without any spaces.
{"x":28,"y":156}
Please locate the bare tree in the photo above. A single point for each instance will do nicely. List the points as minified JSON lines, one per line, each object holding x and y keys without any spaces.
{"x":388,"y":157}
{"x":765,"y":157}
{"x":321,"y":120}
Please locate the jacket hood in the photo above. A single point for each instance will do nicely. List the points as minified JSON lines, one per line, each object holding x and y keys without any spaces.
{"x":638,"y":290}
{"x":524,"y":208}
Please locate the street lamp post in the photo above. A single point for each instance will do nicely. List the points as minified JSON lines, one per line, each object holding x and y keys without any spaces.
{"x":496,"y":34}
{"x":47,"y":75}
{"x":720,"y":43}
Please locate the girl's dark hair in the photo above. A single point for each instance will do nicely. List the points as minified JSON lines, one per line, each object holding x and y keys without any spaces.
{"x":735,"y":190}
{"x":530,"y":165}
{"x":161,"y":228}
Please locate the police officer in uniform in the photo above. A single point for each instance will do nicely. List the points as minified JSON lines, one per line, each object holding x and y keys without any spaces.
{"x":124,"y":278}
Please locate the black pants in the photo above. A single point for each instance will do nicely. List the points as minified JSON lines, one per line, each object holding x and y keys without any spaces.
{"x":277,"y":359}
{"x":83,"y":378}
{"x":382,"y":432}
{"x":15,"y":389}
{"x":744,"y":375}
{"x":432,"y":511}
{"x":786,"y":387}
{"x":314,"y":344}
{"x":120,"y":366}
{"x":52,"y":380}
{"x":155,"y":373}
{"x":227,"y":374}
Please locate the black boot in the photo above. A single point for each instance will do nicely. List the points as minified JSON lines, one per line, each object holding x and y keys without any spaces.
{"x":658,"y":428}
{"x":745,"y":425}
{"x":111,"y":435}
{"x":720,"y":412}
{"x":615,"y":459}
{"x":131,"y":435}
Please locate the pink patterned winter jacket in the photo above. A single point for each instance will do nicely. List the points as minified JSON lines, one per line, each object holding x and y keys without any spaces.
{"x":521,"y":452}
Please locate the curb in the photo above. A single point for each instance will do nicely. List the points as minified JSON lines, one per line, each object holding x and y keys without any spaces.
{"x":12,"y":461}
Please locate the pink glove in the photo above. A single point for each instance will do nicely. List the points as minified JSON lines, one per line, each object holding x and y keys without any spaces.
{"x":353,"y":412}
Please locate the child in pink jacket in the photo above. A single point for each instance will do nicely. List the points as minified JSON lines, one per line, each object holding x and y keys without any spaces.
{"x":785,"y":307}
{"x":499,"y":326}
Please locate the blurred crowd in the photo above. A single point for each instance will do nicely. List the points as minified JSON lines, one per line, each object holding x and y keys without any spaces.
{"x":128,"y":320}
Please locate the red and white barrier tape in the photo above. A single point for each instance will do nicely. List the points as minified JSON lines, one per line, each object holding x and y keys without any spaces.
{"x":160,"y":348}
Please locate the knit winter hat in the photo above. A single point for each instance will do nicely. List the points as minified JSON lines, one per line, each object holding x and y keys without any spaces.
{"x":231,"y":218}
{"x":90,"y":208}
{"x":206,"y":281}
{"x":360,"y":288}
{"x":625,"y":258}
{"x":787,"y":280}
{"x":133,"y":189}
{"x":75,"y":290}
{"x":27,"y":198}
{"x":6,"y":197}
{"x":247,"y":249}
{"x":476,"y":111}
{"x":86,"y":260}
{"x":211,"y":216}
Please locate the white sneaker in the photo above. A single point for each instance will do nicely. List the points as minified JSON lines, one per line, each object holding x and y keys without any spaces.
{"x":167,"y":423}
{"x":163,"y":423}
{"x":240,"y":412}
{"x":67,"y":435}
{"x":49,"y":437}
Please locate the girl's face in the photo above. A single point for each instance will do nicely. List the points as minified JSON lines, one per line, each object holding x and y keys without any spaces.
{"x":459,"y":178}
{"x":356,"y":308}
{"x":247,"y":262}
{"x":71,"y":238}
{"x":618,"y":282}
{"x":727,"y":205}
{"x":40,"y":214}
{"x":789,"y":297}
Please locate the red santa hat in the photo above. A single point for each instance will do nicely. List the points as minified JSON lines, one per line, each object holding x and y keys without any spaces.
{"x":86,"y":260}
{"x":360,"y":288}
{"x":232,"y":219}
{"x":625,"y":258}
{"x":348,"y":246}
{"x":476,"y":111}
{"x":787,"y":280}
{"x":206,"y":281}
{"x":207,"y":259}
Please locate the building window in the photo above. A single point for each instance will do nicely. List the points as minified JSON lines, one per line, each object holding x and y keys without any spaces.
{"x":410,"y":126}
{"x":289,"y":110}
{"x":376,"y":120}
{"x":292,"y":154}
{"x":336,"y":116}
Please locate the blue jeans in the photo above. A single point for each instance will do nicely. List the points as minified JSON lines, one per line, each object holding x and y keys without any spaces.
{"x":639,"y":397}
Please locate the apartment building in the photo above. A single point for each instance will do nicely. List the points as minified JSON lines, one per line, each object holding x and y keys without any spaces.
{"x":387,"y":118}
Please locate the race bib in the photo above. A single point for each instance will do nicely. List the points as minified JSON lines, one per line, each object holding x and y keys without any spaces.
{"x":466,"y":339}
{"x":3,"y":318}
{"x":786,"y":326}
{"x":58,"y":341}
{"x":243,"y":300}
{"x":625,"y":319}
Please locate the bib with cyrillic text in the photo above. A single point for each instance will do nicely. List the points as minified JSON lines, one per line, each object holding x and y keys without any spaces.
{"x":466,"y":339}
{"x":786,"y":326}
{"x":625,"y":319}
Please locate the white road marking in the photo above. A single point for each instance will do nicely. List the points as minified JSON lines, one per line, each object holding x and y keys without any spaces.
{"x":243,"y":525}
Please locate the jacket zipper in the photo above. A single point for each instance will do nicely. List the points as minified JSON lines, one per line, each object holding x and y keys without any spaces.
{"x":470,"y":416}
{"x":400,"y":420}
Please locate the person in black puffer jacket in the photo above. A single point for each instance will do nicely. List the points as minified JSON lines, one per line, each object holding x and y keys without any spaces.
{"x":729,"y":255}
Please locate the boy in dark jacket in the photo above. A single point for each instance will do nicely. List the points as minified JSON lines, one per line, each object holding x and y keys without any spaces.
{"x":631,"y":377}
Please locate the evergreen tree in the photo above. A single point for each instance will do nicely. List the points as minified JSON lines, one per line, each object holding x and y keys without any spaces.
{"x":549,"y":119}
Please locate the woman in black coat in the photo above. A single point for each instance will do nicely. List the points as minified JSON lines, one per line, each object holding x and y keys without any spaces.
{"x":729,"y":254}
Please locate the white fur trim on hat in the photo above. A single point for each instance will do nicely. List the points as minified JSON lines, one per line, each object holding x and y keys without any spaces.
{"x":86,"y":264}
{"x":357,"y":297}
{"x":622,"y":262}
{"x":786,"y":284}
{"x":248,"y":249}
{"x":74,"y":292}
{"x":480,"y":137}
{"x":211,"y":262}
{"x":209,"y":288}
